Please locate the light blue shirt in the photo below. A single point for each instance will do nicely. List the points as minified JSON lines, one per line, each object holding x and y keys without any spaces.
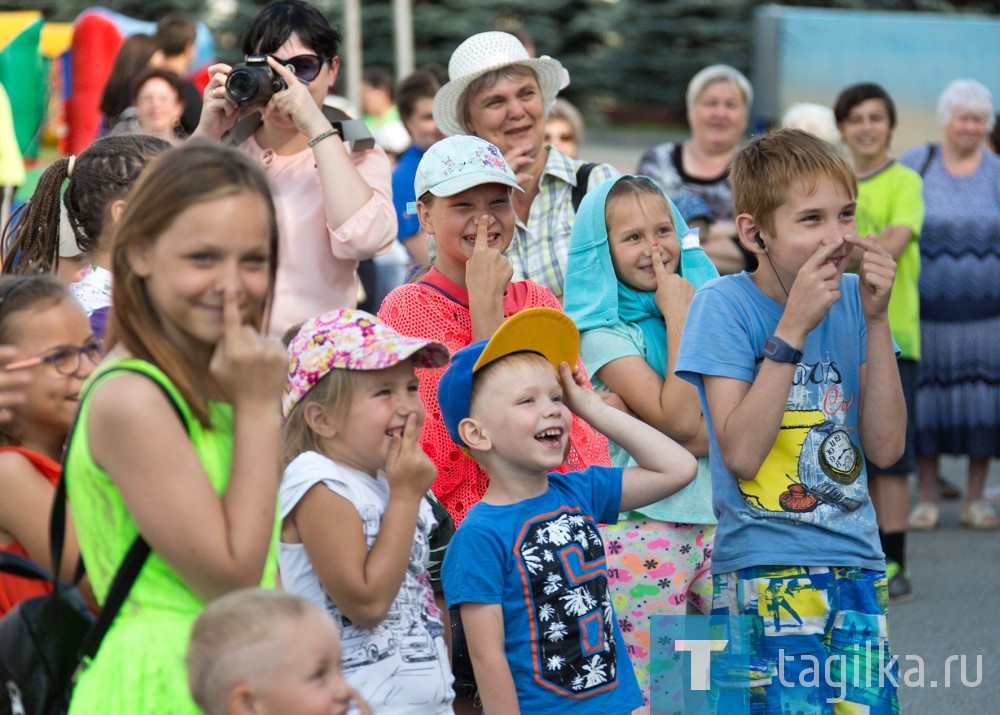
{"x":809,"y":503}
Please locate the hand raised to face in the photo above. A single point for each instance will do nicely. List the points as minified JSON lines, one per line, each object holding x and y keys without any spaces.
{"x":247,"y":365}
{"x":296,"y":103}
{"x":876,"y":274}
{"x":817,"y":285}
{"x":487,"y":271}
{"x":673,"y":292}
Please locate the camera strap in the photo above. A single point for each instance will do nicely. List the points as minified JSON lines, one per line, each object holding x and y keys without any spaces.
{"x":354,"y":132}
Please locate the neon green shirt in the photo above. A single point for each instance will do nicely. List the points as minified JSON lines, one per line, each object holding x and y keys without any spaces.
{"x":892,"y":197}
{"x":140,"y":665}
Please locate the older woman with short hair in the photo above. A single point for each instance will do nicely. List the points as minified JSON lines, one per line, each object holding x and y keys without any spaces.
{"x":500,"y":94}
{"x":718,"y":106}
{"x":158,"y":96}
{"x":958,"y":391}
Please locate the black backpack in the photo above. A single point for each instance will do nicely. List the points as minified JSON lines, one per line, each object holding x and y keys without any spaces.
{"x":39,"y":644}
{"x":580,"y":190}
{"x":45,"y":640}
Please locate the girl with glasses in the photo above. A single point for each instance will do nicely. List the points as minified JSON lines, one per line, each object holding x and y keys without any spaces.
{"x":334,"y":204}
{"x":54,"y":348}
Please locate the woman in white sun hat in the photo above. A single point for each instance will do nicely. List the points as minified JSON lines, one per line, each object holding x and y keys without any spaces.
{"x":499,"y":93}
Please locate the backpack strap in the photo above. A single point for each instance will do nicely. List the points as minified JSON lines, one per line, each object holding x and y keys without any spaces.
{"x":931,"y":151}
{"x":127,"y":573}
{"x":137,"y":554}
{"x":582,"y":179}
{"x":17,"y":565}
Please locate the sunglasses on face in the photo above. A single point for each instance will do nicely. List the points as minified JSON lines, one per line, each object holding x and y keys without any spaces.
{"x":66,"y":359}
{"x":305,"y":67}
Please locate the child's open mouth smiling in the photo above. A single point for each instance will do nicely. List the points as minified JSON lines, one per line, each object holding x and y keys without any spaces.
{"x":836,"y":261}
{"x":393,"y":431}
{"x":492,"y":238}
{"x":551,"y":437}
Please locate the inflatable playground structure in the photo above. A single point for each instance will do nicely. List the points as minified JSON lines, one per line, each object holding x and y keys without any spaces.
{"x":54,"y":73}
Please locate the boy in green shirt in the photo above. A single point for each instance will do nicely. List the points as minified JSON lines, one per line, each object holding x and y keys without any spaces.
{"x":891,"y":207}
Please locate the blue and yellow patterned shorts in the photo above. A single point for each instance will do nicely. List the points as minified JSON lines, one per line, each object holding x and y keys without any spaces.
{"x":807,"y":640}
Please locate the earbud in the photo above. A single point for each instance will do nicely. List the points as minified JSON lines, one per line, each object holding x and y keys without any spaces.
{"x":760,"y":241}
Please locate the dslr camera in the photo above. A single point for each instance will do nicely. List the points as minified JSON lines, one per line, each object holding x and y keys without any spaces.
{"x":253,"y":83}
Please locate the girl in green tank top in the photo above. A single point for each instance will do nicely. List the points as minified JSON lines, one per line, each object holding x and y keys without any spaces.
{"x":178,"y":433}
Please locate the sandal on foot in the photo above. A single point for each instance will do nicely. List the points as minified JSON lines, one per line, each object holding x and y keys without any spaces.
{"x":924,"y":516}
{"x":979,"y":515}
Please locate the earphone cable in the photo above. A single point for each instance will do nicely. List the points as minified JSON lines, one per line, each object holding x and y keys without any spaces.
{"x":775,"y":273}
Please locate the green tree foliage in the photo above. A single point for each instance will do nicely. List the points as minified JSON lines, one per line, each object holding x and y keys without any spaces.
{"x":660,"y":45}
{"x":636,"y":55}
{"x":228,"y":33}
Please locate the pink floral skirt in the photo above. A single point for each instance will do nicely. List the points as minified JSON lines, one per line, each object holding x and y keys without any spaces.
{"x":655,"y":568}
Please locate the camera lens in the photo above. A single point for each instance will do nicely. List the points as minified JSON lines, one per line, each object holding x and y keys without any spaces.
{"x":243,"y":86}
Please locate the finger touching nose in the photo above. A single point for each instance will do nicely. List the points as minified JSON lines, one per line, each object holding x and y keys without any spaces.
{"x":230,"y":279}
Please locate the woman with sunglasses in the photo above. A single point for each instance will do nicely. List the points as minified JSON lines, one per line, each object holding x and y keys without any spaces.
{"x":334,"y":205}
{"x":54,"y":349}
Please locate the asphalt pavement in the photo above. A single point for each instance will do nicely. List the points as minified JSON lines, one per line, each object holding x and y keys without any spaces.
{"x":952,"y":618}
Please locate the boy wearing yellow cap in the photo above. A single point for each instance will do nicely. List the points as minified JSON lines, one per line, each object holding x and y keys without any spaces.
{"x":527,"y":567}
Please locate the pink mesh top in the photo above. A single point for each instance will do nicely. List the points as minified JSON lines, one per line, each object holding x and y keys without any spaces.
{"x":437,"y":308}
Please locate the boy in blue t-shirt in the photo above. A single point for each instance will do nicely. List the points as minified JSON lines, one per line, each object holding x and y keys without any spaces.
{"x":796,"y":370}
{"x":527,"y":566}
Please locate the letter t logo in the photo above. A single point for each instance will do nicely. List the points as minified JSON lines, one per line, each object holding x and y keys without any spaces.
{"x":700,"y":666}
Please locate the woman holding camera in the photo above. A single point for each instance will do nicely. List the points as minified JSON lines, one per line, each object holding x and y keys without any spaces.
{"x":334,"y":205}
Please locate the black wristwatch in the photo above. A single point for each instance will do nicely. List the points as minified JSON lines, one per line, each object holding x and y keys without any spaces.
{"x":778,"y":350}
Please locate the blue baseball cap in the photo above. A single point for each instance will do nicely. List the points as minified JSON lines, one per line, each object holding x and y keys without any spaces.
{"x":546,"y":331}
{"x":692,"y":207}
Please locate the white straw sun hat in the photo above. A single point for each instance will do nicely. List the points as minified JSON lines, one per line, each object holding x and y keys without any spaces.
{"x":484,"y":53}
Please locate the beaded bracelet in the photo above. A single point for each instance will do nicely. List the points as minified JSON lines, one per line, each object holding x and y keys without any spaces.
{"x":322,"y":135}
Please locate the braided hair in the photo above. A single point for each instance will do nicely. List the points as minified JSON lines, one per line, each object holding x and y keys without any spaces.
{"x":99,"y":176}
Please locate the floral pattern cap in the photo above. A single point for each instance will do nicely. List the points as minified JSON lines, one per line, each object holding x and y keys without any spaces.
{"x":349,"y":340}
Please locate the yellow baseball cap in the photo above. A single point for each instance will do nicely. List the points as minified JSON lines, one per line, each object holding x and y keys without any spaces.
{"x":546,"y":331}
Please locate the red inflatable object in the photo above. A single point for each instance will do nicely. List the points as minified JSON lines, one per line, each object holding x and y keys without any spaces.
{"x":97,"y":35}
{"x":96,"y":39}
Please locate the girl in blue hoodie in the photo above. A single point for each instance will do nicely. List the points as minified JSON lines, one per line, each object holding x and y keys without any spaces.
{"x":632,"y":271}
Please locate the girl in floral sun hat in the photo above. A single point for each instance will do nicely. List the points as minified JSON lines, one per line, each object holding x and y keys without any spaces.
{"x":356,"y":527}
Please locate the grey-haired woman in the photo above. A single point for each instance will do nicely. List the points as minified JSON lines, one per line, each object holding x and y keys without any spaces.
{"x":718,"y":102}
{"x":958,"y":389}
